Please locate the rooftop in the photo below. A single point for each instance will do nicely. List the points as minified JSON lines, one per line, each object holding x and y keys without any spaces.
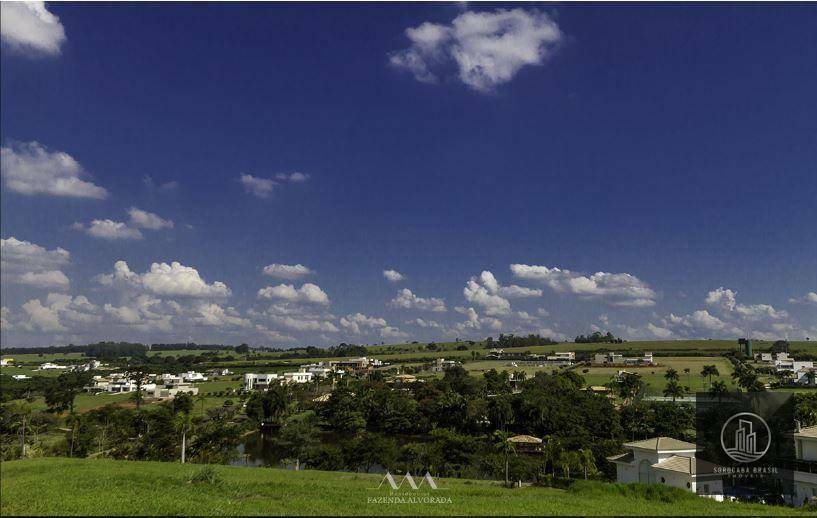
{"x":662,"y":444}
{"x":686,"y":465}
{"x":808,"y":432}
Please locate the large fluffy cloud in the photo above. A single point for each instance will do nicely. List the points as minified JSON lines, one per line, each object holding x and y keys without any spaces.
{"x":618,"y":289}
{"x":30,"y":27}
{"x":59,"y":313}
{"x":308,"y":293}
{"x":32,"y":169}
{"x":486,"y":291}
{"x":724,"y":300}
{"x":359,"y":323}
{"x":287,"y":271}
{"x":26,"y":263}
{"x":164,"y":280}
{"x":488,"y":49}
{"x":405,"y":299}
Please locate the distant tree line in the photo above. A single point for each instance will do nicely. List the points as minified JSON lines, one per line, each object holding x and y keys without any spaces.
{"x":510,"y":341}
{"x":190,"y":345}
{"x":597,"y":338}
{"x":102,"y":350}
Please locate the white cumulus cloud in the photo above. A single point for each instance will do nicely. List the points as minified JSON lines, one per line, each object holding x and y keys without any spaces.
{"x":393,"y":275}
{"x":259,"y":187}
{"x":405,"y":299}
{"x":23,"y":262}
{"x":809,"y":298}
{"x":287,"y":271}
{"x":30,"y":27}
{"x":165,"y":280}
{"x":308,"y":293}
{"x":109,"y":229}
{"x":487,"y":48}
{"x":617,"y":289}
{"x":30,"y":168}
{"x":143,"y":219}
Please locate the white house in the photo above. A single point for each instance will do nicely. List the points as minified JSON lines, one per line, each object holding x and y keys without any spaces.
{"x":48,"y":366}
{"x":91,"y":365}
{"x":562,"y":357}
{"x":259,"y":381}
{"x":319,"y":372}
{"x":302,"y":376}
{"x":619,"y":359}
{"x":805,"y":482}
{"x":668,"y":461}
{"x":170,"y":390}
{"x":192,"y":376}
{"x":441,"y":364}
{"x":20,"y":377}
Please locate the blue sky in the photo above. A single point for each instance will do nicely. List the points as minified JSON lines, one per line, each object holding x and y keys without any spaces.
{"x":649,"y":170}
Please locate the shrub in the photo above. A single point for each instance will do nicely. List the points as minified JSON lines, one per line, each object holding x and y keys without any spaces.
{"x":206,"y":475}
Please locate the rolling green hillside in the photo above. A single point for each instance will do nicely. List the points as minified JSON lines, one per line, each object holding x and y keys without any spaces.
{"x":60,"y":486}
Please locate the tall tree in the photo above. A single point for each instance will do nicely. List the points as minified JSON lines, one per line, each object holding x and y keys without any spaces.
{"x":708,"y":371}
{"x":505,"y":447}
{"x":718,"y":389}
{"x":183,"y":424}
{"x":674,"y":390}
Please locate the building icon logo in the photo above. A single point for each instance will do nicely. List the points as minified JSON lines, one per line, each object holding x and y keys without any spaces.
{"x":745,"y":437}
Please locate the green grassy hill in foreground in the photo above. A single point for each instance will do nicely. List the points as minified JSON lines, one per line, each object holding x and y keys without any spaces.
{"x":59,"y":486}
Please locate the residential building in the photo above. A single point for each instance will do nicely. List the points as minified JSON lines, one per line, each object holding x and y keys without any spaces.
{"x":170,"y":390}
{"x":20,"y":377}
{"x":259,"y":381}
{"x":668,"y":461}
{"x":356,"y":364}
{"x":302,"y":376}
{"x":47,"y":366}
{"x":612,"y":358}
{"x":805,"y":474}
{"x":89,"y":366}
{"x":562,"y":358}
{"x":192,"y":376}
{"x":6,"y":362}
{"x":441,"y":364}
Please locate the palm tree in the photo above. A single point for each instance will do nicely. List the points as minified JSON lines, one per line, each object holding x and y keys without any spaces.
{"x":573,"y":460}
{"x":671,"y":374}
{"x":23,"y":411}
{"x":673,"y":390}
{"x":183,"y":424}
{"x":73,"y":419}
{"x":587,"y":461}
{"x":709,"y":371}
{"x":201,"y":398}
{"x":749,"y":381}
{"x":718,"y":389}
{"x":506,"y":447}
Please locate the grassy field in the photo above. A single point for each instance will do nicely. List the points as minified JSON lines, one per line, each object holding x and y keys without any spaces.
{"x":60,"y":486}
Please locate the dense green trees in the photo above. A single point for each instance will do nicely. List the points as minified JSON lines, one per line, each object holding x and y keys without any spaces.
{"x":598,"y":337}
